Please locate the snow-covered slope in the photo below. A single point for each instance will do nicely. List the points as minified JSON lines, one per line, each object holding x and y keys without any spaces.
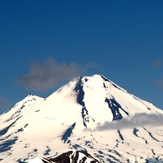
{"x":90,"y":113}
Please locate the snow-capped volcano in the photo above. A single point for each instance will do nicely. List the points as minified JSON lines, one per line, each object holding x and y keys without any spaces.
{"x":90,"y":113}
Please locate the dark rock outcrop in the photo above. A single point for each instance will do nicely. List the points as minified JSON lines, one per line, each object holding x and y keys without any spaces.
{"x":72,"y":157}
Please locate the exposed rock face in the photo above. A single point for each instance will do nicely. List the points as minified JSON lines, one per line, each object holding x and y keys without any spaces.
{"x":68,"y":157}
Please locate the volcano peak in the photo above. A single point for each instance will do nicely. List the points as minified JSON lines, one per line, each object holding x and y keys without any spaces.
{"x":90,"y":113}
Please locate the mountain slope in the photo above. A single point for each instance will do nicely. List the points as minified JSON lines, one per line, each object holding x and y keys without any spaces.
{"x":90,"y":114}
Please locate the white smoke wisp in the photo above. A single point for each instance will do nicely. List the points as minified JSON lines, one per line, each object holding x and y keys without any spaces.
{"x":138,"y":120}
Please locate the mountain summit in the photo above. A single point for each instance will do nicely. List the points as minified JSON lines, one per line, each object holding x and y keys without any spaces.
{"x":90,"y":114}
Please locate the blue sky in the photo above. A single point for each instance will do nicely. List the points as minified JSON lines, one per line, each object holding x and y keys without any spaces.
{"x":44,"y":44}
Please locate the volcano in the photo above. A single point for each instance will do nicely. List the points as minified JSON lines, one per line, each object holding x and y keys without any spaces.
{"x":91,"y":114}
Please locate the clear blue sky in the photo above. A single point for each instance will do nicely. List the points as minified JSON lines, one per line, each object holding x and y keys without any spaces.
{"x":44,"y":44}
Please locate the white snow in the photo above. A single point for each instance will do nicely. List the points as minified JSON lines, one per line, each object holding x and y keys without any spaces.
{"x":36,"y":160}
